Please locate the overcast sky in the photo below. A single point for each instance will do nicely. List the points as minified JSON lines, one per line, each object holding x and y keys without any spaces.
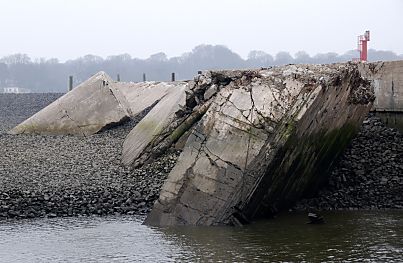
{"x":68,"y":29}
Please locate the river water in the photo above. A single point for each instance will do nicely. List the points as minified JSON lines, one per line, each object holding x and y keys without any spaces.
{"x":357,"y":236}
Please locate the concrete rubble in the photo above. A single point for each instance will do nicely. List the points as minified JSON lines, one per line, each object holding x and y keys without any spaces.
{"x":94,"y":105}
{"x":253,"y":141}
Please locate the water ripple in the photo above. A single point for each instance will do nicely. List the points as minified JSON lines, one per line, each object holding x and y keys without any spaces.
{"x":348,"y":237}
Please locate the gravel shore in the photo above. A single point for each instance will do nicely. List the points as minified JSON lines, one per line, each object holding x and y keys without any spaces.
{"x":48,"y":176}
{"x":67,"y":175}
{"x":369,"y":174}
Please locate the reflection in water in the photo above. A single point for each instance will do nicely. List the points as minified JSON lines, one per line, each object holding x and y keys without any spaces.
{"x":350,"y":236}
{"x":347,"y":236}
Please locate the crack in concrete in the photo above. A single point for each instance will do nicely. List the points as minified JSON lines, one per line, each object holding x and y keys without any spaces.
{"x":219,"y":158}
{"x":71,"y":119}
{"x":127,"y":110}
{"x":270,"y":122}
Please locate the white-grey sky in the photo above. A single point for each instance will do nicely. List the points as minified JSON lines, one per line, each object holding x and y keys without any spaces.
{"x":68,"y":29}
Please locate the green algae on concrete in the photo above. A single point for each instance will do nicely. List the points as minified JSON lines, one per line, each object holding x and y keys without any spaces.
{"x":138,"y":145}
{"x":299,"y":168}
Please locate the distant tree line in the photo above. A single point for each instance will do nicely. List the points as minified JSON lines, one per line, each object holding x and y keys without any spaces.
{"x":50,"y":75}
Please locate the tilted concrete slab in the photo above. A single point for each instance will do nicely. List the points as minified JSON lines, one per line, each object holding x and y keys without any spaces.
{"x":153,"y":125}
{"x":85,"y":110}
{"x":269,"y":137}
{"x":138,"y":96}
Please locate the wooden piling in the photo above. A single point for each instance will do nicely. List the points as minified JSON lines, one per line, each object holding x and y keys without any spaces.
{"x":173,"y":76}
{"x":70,"y":83}
{"x":144,"y":77}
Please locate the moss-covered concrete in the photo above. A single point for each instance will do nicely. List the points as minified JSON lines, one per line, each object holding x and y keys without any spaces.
{"x":298,"y":169}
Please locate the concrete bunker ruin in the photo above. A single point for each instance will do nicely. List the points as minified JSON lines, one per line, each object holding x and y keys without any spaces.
{"x":254,"y":141}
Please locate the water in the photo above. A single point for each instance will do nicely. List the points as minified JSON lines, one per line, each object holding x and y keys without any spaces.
{"x":347,"y":236}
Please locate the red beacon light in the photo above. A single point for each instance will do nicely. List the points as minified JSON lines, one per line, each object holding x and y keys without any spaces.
{"x":363,"y":46}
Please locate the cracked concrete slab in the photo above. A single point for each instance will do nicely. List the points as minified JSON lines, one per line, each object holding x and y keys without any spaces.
{"x":138,"y":96}
{"x":154,"y":124}
{"x":252,"y":142}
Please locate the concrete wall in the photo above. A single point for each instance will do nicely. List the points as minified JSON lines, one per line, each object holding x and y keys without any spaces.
{"x":387,"y":78}
{"x":388,"y":84}
{"x":391,"y":119}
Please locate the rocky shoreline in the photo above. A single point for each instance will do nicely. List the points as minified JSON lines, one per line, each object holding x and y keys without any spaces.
{"x":369,"y":174}
{"x":49,"y":176}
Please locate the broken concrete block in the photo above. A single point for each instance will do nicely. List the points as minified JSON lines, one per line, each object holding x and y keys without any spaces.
{"x":153,"y":126}
{"x":94,"y":105}
{"x":267,"y":138}
{"x":85,"y":110}
{"x":136,"y":97}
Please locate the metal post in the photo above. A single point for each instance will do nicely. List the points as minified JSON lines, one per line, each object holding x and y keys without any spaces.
{"x":144,"y":77}
{"x":70,"y":83}
{"x":173,"y":76}
{"x":118,"y":78}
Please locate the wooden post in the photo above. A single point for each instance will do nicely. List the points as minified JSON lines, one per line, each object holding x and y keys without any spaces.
{"x":70,"y":83}
{"x":173,"y":76}
{"x":144,"y":77}
{"x":118,"y":78}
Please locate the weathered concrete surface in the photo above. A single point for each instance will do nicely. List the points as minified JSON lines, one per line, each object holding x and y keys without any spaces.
{"x":85,"y":110}
{"x":138,"y":96}
{"x":387,"y":78}
{"x":153,"y":126}
{"x":96,"y":104}
{"x":392,"y":119}
{"x":267,"y":138}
